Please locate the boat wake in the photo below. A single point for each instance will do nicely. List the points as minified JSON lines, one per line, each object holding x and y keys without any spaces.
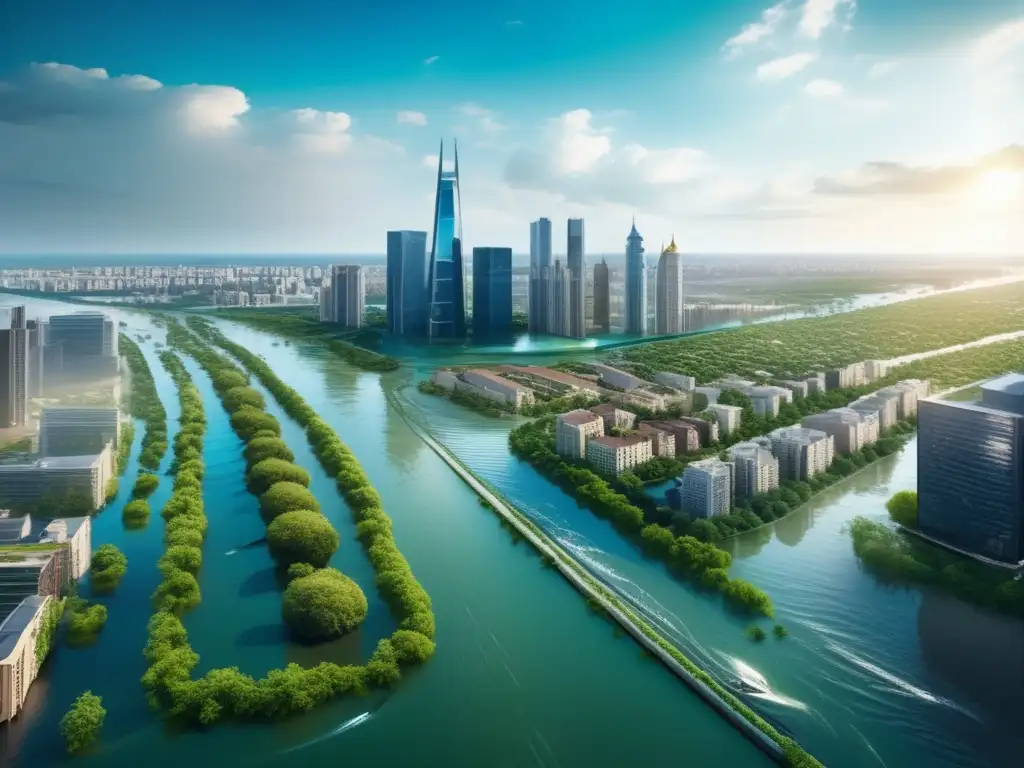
{"x":250,"y":545}
{"x":346,"y":726}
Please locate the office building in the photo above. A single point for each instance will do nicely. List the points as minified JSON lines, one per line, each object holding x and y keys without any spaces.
{"x":576,"y":263}
{"x":970,"y":471}
{"x":851,"y":429}
{"x":407,"y":268}
{"x":492,"y":291}
{"x":35,"y":360}
{"x":756,"y":468}
{"x":559,"y":300}
{"x":89,"y":344}
{"x":77,"y":431}
{"x":614,"y":455}
{"x":675,"y":381}
{"x":25,"y":483}
{"x":326,"y":300}
{"x":614,"y":418}
{"x":636,"y":284}
{"x":662,"y":443}
{"x":573,"y":430}
{"x":18,"y":663}
{"x":668,"y":313}
{"x":602,"y":297}
{"x":14,"y":371}
{"x":343,"y":300}
{"x":686,"y":435}
{"x":729,"y":417}
{"x":446,"y":315}
{"x":802,"y":452}
{"x":706,"y":488}
{"x":540,"y":275}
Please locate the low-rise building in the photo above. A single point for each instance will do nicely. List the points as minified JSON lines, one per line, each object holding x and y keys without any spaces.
{"x":18,"y":663}
{"x":656,"y":401}
{"x":707,"y":430}
{"x":41,"y":558}
{"x":77,"y":431}
{"x":662,"y":443}
{"x":686,"y":436}
{"x":756,"y":469}
{"x":676,"y":381}
{"x":802,"y":452}
{"x":796,"y":388}
{"x":573,"y":430}
{"x":618,"y":378}
{"x":730,"y":417}
{"x":614,"y":417}
{"x":706,"y":488}
{"x":548,"y":380}
{"x":494,"y":386}
{"x":815,"y":383}
{"x":23,"y":483}
{"x":875,"y":369}
{"x":615,"y":455}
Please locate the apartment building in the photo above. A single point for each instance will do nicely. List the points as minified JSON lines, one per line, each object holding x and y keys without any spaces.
{"x":764,"y":400}
{"x":77,"y":431}
{"x":908,"y":392}
{"x":675,"y":380}
{"x":850,"y":428}
{"x":662,"y":443}
{"x":615,"y":455}
{"x":18,"y":663}
{"x":490,"y":384}
{"x":875,"y":369}
{"x":706,"y":488}
{"x":614,"y":417}
{"x":884,"y":406}
{"x":573,"y":430}
{"x":815,"y":383}
{"x":730,"y":417}
{"x":707,"y":430}
{"x":686,"y":436}
{"x":796,"y":388}
{"x":756,"y":469}
{"x":802,"y":452}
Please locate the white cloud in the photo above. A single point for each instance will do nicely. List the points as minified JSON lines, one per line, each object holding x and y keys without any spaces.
{"x":818,"y":15}
{"x":487,"y":119}
{"x":787,"y":66}
{"x":759,"y":30}
{"x":883,"y":68}
{"x":318,"y":131}
{"x":580,"y":145}
{"x":408,"y":117}
{"x":999,"y":44}
{"x":430,"y":60}
{"x":821,"y":88}
{"x":430,"y":161}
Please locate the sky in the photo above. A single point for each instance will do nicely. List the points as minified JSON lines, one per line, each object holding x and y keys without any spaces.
{"x":738,"y":126}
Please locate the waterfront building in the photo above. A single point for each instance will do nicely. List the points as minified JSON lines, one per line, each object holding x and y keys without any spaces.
{"x":756,"y":468}
{"x":492,"y":291}
{"x":636,"y":284}
{"x":89,"y":342}
{"x":548,"y":380}
{"x":495,"y":387}
{"x":802,"y":452}
{"x":573,"y":430}
{"x":14,"y":353}
{"x":446,"y":316}
{"x":344,"y":299}
{"x":908,"y":392}
{"x":708,"y":430}
{"x":26,"y":482}
{"x":816,"y":384}
{"x":576,"y":263}
{"x":43,"y":558}
{"x":970,"y":470}
{"x":77,"y":431}
{"x":559,"y":300}
{"x":884,"y":406}
{"x":614,"y":417}
{"x":618,"y":378}
{"x":676,"y":381}
{"x":18,"y":663}
{"x":686,"y":435}
{"x":326,"y":302}
{"x":706,"y":488}
{"x":662,"y":443}
{"x":730,"y":417}
{"x":614,"y":455}
{"x":406,"y":288}
{"x":668,"y":313}
{"x":602,"y":297}
{"x":540,"y":275}
{"x":851,"y":429}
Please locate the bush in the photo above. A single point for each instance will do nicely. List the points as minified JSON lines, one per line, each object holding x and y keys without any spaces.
{"x":108,"y":567}
{"x":178,"y":592}
{"x":411,"y":647}
{"x":286,"y":497}
{"x":84,"y":621}
{"x":183,"y":558}
{"x":226,"y":380}
{"x":745,"y":595}
{"x":145,"y":484}
{"x":270,"y":471}
{"x":298,"y":570}
{"x":248,"y":421}
{"x":240,"y":397}
{"x":260,"y":448}
{"x":323,"y":606}
{"x":902,"y":508}
{"x":135,"y":513}
{"x":81,"y":725}
{"x":302,"y":536}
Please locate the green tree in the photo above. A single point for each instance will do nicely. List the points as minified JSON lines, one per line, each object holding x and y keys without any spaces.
{"x":107,"y":568}
{"x":135,"y":513}
{"x":302,"y":536}
{"x":145,"y":484}
{"x":81,"y":726}
{"x":286,"y":497}
{"x":902,"y":508}
{"x":324,"y":605}
{"x":248,"y":421}
{"x":271,"y":471}
{"x":238,"y":397}
{"x":260,"y":448}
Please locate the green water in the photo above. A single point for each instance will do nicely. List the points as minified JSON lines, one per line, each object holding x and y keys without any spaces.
{"x":524,"y":673}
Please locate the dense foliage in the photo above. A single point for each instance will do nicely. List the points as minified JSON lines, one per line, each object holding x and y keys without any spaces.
{"x":144,"y":403}
{"x":260,"y":448}
{"x":107,"y":568}
{"x":145,"y":485}
{"x":323,"y":605}
{"x":48,"y":626}
{"x":81,"y":726}
{"x":135,"y":513}
{"x":84,"y":620}
{"x":302,"y":536}
{"x":900,"y":558}
{"x":272,"y":471}
{"x":902,"y":508}
{"x":800,"y":347}
{"x":125,"y":438}
{"x":286,"y":497}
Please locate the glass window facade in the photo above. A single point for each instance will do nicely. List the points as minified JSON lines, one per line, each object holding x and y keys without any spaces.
{"x":407,"y":283}
{"x":447,"y":310}
{"x":492,"y":291}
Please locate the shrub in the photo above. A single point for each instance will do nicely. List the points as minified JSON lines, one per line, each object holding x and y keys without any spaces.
{"x":260,"y":448}
{"x":108,"y":567}
{"x":411,"y":647}
{"x":756,"y":634}
{"x":745,"y":595}
{"x":322,"y":606}
{"x":265,"y":433}
{"x":226,"y":380}
{"x":248,"y":421}
{"x":270,"y":471}
{"x":84,"y":621}
{"x":81,"y":725}
{"x":183,"y":558}
{"x":183,"y":537}
{"x":135,"y":513}
{"x":902,"y":508}
{"x":240,"y":397}
{"x":302,"y":536}
{"x":286,"y":497}
{"x":178,"y":592}
{"x":145,"y":484}
{"x":298,"y":570}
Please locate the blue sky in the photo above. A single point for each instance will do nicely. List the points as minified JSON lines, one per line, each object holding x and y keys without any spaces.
{"x":815,"y":126}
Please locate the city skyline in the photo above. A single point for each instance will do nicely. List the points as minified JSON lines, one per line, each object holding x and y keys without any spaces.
{"x":804,"y":126}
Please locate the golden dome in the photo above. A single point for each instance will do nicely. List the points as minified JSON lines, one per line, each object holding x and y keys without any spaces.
{"x":671,"y":246}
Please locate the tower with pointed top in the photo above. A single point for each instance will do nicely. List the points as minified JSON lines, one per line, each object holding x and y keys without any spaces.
{"x":636,"y":284}
{"x":446,"y":315}
{"x":668,"y":315}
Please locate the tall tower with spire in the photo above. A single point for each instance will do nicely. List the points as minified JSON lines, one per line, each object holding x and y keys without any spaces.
{"x":446,"y":314}
{"x":668,"y":314}
{"x":636,"y":284}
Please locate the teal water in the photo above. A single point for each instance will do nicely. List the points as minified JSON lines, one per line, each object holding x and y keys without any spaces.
{"x":524,"y":674}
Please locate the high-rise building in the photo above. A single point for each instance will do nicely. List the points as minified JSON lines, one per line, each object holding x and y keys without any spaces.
{"x":706,"y":488}
{"x":602,"y":297}
{"x":756,"y":468}
{"x":540,"y":274}
{"x":492,"y":291}
{"x":802,"y":452}
{"x":347,"y":301}
{"x":14,"y":371}
{"x":89,"y":341}
{"x":559,"y":300}
{"x":446,"y":318}
{"x":970,"y":470}
{"x":407,"y":301}
{"x":576,"y":263}
{"x":668,"y":313}
{"x":36,"y":367}
{"x":636,"y":284}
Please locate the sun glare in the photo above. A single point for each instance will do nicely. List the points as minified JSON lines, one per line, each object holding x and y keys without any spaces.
{"x":998,"y":186}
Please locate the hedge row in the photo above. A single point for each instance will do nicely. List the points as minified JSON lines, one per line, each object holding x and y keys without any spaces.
{"x":144,"y":403}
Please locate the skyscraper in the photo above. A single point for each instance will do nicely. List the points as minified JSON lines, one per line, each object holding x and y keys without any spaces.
{"x":492,"y":291}
{"x":559,"y":300}
{"x":575,"y":262}
{"x":540,"y":274}
{"x":347,"y":291}
{"x":407,"y":283}
{"x":636,"y":284}
{"x":446,"y":317}
{"x":668,"y":314}
{"x":602,"y":297}
{"x":14,"y":371}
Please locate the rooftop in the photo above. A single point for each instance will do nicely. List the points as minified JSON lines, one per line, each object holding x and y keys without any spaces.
{"x":1010,"y":384}
{"x":492,"y":376}
{"x":800,"y":434}
{"x":620,"y":442}
{"x":552,"y":375}
{"x":17,"y":621}
{"x":52,"y":462}
{"x":604,"y":409}
{"x":579,"y":417}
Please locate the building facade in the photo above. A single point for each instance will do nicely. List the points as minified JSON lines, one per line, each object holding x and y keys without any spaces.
{"x":850,"y":428}
{"x":756,"y":468}
{"x":617,"y":377}
{"x":573,"y":430}
{"x":14,"y":359}
{"x":706,"y":488}
{"x":446,"y":315}
{"x":668,"y":313}
{"x":730,"y":417}
{"x":540,"y":275}
{"x":77,"y":431}
{"x":576,"y":263}
{"x":675,"y":380}
{"x":492,"y":291}
{"x":346,"y":295}
{"x":636,"y":284}
{"x":662,"y":443}
{"x":406,"y":288}
{"x":24,"y":483}
{"x":614,"y":417}
{"x":18,"y":663}
{"x":686,"y":436}
{"x":602,"y":297}
{"x":802,"y":452}
{"x":614,"y":455}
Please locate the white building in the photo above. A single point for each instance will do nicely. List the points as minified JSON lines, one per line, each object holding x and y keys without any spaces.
{"x":729,"y":417}
{"x":574,"y":429}
{"x":707,"y":488}
{"x":802,"y":452}
{"x":615,"y":455}
{"x":883,"y":405}
{"x":618,"y":378}
{"x":614,"y":417}
{"x":668,"y":312}
{"x":492,"y":385}
{"x":815,"y":383}
{"x":909,"y":391}
{"x":850,"y":428}
{"x":676,"y":381}
{"x":756,"y":469}
{"x":796,"y":388}
{"x":764,"y":400}
{"x":875,"y":369}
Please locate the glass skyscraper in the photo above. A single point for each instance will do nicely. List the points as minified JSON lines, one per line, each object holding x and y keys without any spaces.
{"x":575,"y":261}
{"x":668,"y":314}
{"x":636,"y":284}
{"x":407,"y":283}
{"x":540,"y":275}
{"x":446,"y":318}
{"x":492,"y":291}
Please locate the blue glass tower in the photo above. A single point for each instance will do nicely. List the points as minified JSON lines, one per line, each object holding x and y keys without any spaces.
{"x":492,"y":292}
{"x":445,"y":291}
{"x":407,"y":283}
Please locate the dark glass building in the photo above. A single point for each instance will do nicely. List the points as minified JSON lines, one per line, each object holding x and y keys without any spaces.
{"x":492,"y":291}
{"x":602,"y":297}
{"x":407,"y":283}
{"x":576,"y":263}
{"x":970,"y":471}
{"x":446,"y":318}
